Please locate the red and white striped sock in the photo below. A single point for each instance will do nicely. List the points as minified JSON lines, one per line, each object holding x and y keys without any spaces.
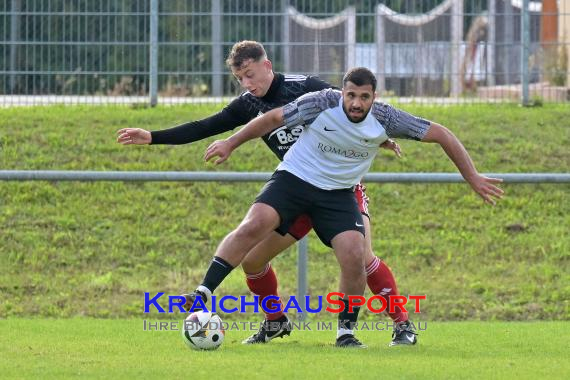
{"x":381,"y":282}
{"x":264,"y":284}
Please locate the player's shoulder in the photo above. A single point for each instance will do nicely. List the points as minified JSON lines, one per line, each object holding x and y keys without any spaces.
{"x":246,"y":104}
{"x":309,"y":106}
{"x":295,"y":77}
{"x":319,"y":100}
{"x":246,"y":100}
{"x":383,"y":112}
{"x":310,"y":82}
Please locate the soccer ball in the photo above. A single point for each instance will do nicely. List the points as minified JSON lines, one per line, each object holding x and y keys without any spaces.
{"x":203,"y":331}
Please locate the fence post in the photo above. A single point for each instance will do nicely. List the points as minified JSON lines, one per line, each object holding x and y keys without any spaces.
{"x":302,"y":287}
{"x":285,"y":47}
{"x":153,"y":54}
{"x":507,"y":42}
{"x":525,"y":46}
{"x":380,"y":50}
{"x":456,"y":41}
{"x":491,"y":43}
{"x":217,"y":48}
{"x":14,"y":38}
{"x":351,"y":38}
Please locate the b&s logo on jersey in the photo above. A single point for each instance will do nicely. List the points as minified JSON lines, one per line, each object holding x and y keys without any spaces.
{"x":286,"y":136}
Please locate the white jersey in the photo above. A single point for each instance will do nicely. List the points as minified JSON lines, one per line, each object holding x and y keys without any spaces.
{"x":332,"y":152}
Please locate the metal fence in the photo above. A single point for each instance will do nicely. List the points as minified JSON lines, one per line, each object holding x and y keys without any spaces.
{"x":173,"y":51}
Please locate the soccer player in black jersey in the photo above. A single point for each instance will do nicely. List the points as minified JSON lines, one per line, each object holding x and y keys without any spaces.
{"x":266,"y":90}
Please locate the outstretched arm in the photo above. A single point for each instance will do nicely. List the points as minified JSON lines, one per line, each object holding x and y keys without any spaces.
{"x":484,"y":186}
{"x":258,"y":127}
{"x":183,"y":134}
{"x":232,"y":116}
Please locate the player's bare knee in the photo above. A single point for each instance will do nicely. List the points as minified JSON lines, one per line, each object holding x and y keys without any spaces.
{"x":351,"y":259}
{"x":251,"y":229}
{"x":253,"y":265}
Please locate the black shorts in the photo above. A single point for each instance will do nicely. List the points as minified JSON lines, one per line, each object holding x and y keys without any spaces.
{"x":331,"y":211}
{"x":303,"y":225}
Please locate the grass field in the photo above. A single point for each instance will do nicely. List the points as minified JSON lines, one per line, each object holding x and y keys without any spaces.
{"x":74,"y":254}
{"x":91,"y":348}
{"x":94,"y":348}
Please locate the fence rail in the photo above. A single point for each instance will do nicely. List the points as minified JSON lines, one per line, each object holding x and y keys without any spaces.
{"x":75,"y":175}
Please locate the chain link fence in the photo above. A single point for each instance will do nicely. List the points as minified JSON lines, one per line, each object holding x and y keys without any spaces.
{"x":173,"y":51}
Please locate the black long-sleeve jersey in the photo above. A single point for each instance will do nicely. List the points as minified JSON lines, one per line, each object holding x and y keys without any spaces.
{"x":284,"y":89}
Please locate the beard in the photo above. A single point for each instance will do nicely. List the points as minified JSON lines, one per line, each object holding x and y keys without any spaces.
{"x":356,"y":115}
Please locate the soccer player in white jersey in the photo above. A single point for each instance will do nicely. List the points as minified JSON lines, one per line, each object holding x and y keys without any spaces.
{"x":340,"y":140}
{"x":265,"y":90}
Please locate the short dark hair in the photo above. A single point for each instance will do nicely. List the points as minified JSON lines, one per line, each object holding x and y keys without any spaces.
{"x":360,"y":76}
{"x":243,"y":51}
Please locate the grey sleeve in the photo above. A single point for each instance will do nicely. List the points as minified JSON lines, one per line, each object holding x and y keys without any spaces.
{"x":304,"y":110}
{"x":400,"y":124}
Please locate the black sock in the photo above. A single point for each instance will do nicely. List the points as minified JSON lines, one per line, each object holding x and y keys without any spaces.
{"x":347,"y":320}
{"x":218,"y":270}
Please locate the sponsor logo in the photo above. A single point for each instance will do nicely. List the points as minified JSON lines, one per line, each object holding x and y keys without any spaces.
{"x":329,"y":130}
{"x":270,"y":304}
{"x":285,"y":136}
{"x":348,"y":153}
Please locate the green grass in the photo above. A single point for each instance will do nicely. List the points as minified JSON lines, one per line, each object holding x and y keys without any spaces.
{"x":94,"y":348}
{"x":92,"y":249}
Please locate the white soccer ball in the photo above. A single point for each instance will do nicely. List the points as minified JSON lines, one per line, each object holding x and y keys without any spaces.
{"x":203,"y":331}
